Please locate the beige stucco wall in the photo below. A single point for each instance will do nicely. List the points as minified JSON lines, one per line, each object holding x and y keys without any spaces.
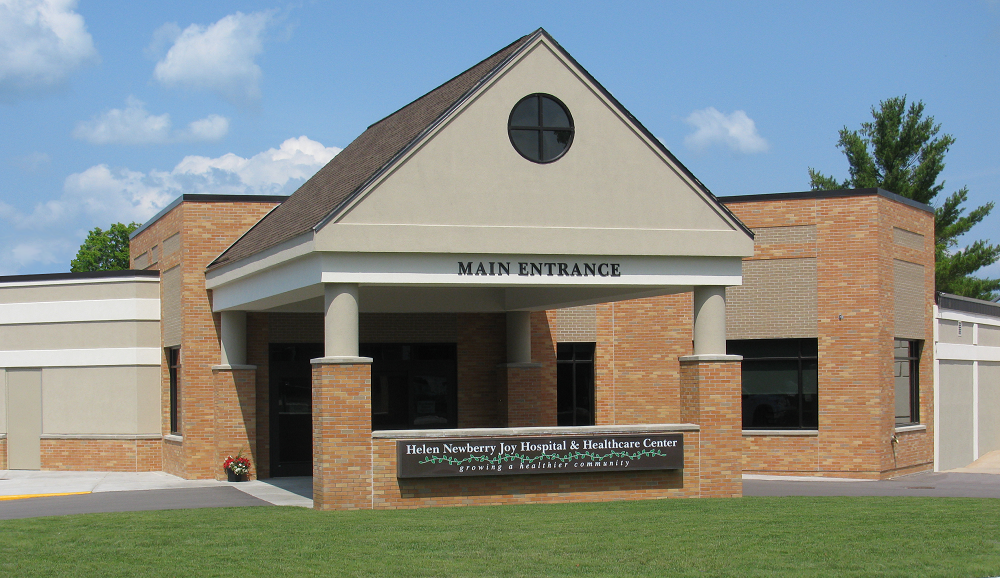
{"x":101,"y":400}
{"x":611,"y":193}
{"x":955,"y":415}
{"x":86,"y":335}
{"x":78,"y":292}
{"x":989,"y":407}
{"x":948,"y":332}
{"x":989,"y":335}
{"x":3,"y":401}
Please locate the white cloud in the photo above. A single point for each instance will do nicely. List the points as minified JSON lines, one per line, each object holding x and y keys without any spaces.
{"x":52,"y":231}
{"x":135,"y":125}
{"x":41,"y":42}
{"x":212,"y":127}
{"x":218,"y":57}
{"x":736,"y":131}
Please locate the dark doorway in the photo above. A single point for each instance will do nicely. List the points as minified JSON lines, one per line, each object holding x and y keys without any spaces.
{"x":413,"y":385}
{"x":575,"y":383}
{"x":291,"y":407}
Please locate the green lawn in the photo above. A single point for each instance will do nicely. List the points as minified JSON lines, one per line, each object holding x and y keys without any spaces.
{"x":738,"y":537}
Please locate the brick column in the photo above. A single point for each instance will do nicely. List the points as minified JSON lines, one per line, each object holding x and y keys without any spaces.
{"x":235,"y":414}
{"x":342,"y":433}
{"x":710,"y":397}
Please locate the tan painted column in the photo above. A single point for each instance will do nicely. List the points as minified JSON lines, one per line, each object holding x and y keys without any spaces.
{"x":709,"y":320}
{"x":711,"y":397}
{"x":518,"y":337}
{"x":340,"y":320}
{"x":233,"y":338}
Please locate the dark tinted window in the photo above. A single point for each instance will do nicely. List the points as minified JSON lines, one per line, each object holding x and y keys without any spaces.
{"x":780,"y":383}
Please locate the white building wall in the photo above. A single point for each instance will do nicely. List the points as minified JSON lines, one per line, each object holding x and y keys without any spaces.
{"x":967,"y":384}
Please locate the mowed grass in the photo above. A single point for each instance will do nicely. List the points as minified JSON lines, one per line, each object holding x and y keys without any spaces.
{"x":734,"y":537}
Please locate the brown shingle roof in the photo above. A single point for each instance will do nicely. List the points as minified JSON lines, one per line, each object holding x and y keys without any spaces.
{"x":363,"y":159}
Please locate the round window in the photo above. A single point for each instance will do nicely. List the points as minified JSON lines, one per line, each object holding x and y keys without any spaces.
{"x":540,"y":128}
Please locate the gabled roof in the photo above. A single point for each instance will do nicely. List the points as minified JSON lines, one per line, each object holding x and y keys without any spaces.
{"x":324,"y":195}
{"x":363,"y":159}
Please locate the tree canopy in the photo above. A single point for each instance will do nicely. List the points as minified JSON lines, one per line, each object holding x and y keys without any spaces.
{"x":900,"y":151}
{"x":104,"y":250}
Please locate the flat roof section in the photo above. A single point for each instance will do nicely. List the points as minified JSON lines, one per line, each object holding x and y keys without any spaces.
{"x":827,"y":195}
{"x":967,"y":304}
{"x":82,"y":276}
{"x":207,"y":198}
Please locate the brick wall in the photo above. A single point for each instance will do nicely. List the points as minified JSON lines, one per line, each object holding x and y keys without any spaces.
{"x":576,"y":324}
{"x":205,"y":229}
{"x":342,"y":447}
{"x":857,"y":241}
{"x":3,"y":453}
{"x":101,"y":455}
{"x":710,"y":397}
{"x":637,"y":373}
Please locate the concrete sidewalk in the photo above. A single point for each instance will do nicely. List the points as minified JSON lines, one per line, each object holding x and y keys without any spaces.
{"x":24,"y":484}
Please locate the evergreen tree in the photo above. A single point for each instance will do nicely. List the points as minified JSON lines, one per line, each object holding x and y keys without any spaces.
{"x":104,"y":250}
{"x":900,"y":151}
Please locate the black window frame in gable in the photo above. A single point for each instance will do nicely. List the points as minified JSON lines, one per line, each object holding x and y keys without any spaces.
{"x":542,"y":129}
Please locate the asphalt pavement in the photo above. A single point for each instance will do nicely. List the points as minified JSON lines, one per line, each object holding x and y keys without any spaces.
{"x":27,"y":494}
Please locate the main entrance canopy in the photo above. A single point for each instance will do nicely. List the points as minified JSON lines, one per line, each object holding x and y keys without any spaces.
{"x":519,"y":185}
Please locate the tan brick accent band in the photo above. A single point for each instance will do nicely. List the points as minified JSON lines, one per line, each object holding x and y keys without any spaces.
{"x":101,"y":455}
{"x":3,"y":453}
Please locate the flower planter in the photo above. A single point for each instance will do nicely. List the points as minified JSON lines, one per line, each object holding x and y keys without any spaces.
{"x":234,"y":477}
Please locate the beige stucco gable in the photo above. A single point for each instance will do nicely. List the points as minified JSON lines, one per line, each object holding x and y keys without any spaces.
{"x":465,"y":189}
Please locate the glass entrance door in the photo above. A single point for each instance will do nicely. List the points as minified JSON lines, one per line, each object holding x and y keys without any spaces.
{"x":291,"y":407}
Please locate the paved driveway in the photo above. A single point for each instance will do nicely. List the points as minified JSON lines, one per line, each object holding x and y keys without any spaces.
{"x":940,"y":485}
{"x":27,"y":494}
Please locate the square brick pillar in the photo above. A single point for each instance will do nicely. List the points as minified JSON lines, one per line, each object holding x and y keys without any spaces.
{"x":342,"y":433}
{"x":235,"y":414}
{"x":711,"y":387}
{"x":530,"y":395}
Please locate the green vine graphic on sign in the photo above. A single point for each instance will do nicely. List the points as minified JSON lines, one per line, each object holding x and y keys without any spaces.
{"x":529,"y":460}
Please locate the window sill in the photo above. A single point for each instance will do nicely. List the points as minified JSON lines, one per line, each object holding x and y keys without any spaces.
{"x":781,"y":432}
{"x":173,"y":438}
{"x":909,"y":428}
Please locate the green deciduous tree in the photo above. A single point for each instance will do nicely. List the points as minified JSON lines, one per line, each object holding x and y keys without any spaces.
{"x":104,"y":250}
{"x":900,"y":151}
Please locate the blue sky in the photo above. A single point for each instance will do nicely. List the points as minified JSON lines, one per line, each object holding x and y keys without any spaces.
{"x":109,"y":110}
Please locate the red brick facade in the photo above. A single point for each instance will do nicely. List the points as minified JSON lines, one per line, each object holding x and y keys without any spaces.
{"x":342,"y":426}
{"x":206,"y":228}
{"x":854,"y":249}
{"x":641,"y":376}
